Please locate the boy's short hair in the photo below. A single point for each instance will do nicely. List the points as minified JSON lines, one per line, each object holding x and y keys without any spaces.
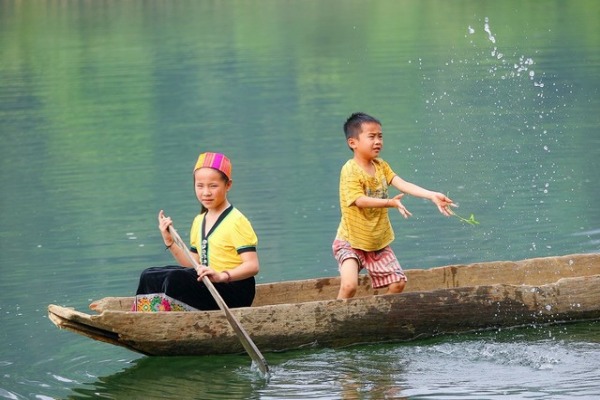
{"x":353,"y":125}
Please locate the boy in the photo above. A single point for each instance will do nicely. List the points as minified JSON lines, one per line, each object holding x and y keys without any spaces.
{"x":365,"y":232}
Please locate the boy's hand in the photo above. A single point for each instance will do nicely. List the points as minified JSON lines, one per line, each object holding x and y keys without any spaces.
{"x":398,"y":204}
{"x":443,"y":202}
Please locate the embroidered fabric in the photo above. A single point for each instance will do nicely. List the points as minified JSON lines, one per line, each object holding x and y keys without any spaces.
{"x":155,"y":302}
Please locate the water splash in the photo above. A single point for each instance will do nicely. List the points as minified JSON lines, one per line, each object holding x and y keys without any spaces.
{"x":497,"y":96}
{"x":486,"y":28}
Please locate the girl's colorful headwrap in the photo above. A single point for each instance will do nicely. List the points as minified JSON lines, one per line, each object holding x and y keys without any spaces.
{"x":216,"y":161}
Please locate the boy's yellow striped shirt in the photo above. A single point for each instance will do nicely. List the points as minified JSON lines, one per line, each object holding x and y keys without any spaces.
{"x":368,"y":229}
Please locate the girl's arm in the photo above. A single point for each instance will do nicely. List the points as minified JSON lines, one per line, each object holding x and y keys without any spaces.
{"x":248,"y":268}
{"x":180,"y":256}
{"x":164,"y":223}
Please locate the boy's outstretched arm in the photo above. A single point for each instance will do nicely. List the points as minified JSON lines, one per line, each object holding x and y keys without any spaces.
{"x":394,"y":202}
{"x":439,"y":199}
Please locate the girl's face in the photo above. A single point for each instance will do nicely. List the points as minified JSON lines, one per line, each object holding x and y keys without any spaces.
{"x":211,"y":189}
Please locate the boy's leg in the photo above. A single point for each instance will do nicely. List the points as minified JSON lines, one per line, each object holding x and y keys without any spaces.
{"x":349,"y":278}
{"x":397,"y":287}
{"x":385,"y":270}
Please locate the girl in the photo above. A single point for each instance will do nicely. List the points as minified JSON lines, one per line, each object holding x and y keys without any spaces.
{"x":223,"y":242}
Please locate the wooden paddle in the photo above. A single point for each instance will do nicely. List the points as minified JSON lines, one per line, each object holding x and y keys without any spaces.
{"x":241,"y":333}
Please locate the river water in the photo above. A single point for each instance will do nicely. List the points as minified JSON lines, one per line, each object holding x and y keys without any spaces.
{"x":105,"y":105}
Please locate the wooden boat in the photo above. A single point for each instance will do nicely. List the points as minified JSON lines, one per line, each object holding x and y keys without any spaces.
{"x":293,"y":314}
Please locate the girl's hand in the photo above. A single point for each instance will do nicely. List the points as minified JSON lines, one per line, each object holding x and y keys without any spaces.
{"x":398,"y":204}
{"x":163,"y":226}
{"x":212,"y":275}
{"x":443,"y":203}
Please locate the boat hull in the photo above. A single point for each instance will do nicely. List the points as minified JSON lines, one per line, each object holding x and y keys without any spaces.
{"x":555,"y":290}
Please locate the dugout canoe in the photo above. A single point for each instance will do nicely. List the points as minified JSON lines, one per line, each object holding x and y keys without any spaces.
{"x":293,"y":314}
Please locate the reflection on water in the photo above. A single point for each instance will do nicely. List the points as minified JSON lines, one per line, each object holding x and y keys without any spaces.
{"x":178,"y":378}
{"x":104,"y":106}
{"x":542,"y":362}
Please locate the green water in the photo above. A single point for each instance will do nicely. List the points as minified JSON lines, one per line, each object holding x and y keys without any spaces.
{"x":104,"y":107}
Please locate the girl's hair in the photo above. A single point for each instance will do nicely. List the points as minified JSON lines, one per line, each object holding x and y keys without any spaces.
{"x":353,"y":125}
{"x":225,"y":179}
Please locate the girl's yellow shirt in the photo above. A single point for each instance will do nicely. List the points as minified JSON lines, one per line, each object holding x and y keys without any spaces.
{"x":229,"y":237}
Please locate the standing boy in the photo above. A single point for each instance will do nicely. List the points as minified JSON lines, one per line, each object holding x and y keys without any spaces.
{"x":365,"y":232}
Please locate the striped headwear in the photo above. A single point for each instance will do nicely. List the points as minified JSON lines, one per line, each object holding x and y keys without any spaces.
{"x":214,"y":160}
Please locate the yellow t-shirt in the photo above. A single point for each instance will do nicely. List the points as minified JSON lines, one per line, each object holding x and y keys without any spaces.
{"x":367,"y":229}
{"x":231,"y":235}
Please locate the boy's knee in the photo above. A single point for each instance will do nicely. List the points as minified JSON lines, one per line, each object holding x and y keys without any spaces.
{"x":397,"y":287}
{"x":347,"y":290}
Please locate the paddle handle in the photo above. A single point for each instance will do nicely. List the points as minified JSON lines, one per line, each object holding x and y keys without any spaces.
{"x":241,"y":333}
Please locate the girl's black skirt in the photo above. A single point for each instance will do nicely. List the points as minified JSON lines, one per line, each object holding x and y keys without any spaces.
{"x":175,"y":288}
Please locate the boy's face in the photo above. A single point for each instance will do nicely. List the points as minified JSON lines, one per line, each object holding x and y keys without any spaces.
{"x":369,"y":143}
